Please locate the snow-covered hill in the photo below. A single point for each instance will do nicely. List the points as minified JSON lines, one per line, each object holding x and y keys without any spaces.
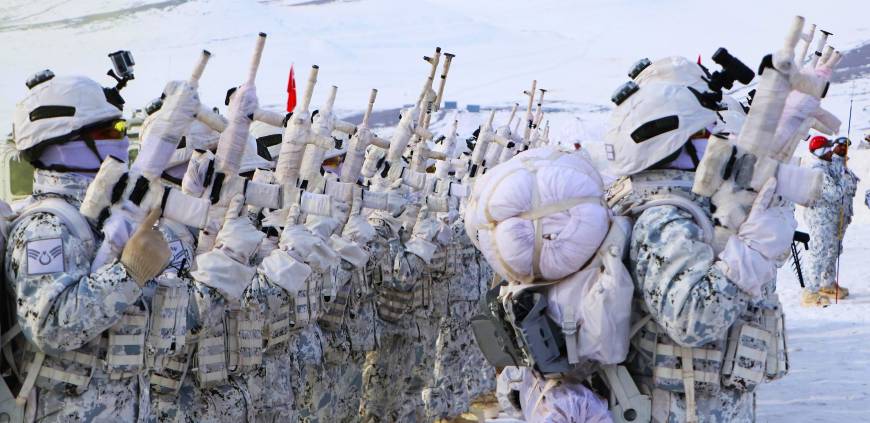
{"x":579,"y":50}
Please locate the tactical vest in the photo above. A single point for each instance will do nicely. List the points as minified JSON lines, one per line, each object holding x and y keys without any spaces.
{"x":119,"y":350}
{"x":755,"y":348}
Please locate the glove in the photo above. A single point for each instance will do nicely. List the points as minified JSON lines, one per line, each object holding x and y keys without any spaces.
{"x":238,"y":238}
{"x":146,"y":254}
{"x":226,"y":267}
{"x":180,"y":105}
{"x":193,"y":182}
{"x":358,"y":229}
{"x":750,"y":257}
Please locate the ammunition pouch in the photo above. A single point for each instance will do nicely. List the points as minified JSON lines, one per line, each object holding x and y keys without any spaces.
{"x":244,"y":340}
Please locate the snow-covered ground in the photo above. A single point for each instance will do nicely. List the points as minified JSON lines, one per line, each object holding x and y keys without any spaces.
{"x":579,"y":50}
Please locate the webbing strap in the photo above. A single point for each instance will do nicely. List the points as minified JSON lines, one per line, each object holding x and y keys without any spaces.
{"x":32,"y":372}
{"x":60,"y":375}
{"x":688,"y":372}
{"x":165,"y":382}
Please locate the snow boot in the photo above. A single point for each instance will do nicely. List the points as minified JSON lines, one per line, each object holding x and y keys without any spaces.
{"x":832,"y":292}
{"x":814,"y":299}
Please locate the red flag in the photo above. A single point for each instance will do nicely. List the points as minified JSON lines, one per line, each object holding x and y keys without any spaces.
{"x":699,"y":59}
{"x":291,"y":91}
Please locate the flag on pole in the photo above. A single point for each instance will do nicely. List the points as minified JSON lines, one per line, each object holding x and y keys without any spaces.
{"x":291,"y":91}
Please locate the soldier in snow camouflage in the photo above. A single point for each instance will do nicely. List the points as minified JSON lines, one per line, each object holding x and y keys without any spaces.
{"x":692,"y":304}
{"x":387,"y":374}
{"x":63,"y":308}
{"x":458,"y":365}
{"x":827,"y":221}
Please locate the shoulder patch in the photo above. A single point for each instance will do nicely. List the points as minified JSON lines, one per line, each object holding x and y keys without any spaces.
{"x":45,"y":256}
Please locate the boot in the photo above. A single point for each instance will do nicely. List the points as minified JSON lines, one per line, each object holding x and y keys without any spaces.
{"x":814,"y":299}
{"x":832,"y":292}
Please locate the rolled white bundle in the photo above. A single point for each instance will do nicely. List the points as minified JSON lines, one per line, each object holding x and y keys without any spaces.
{"x":539,"y":216}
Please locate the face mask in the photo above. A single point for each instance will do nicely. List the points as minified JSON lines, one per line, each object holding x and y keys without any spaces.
{"x":684,"y":160}
{"x":77,"y":156}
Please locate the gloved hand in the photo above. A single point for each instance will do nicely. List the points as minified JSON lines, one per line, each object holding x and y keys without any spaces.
{"x":180,"y":106}
{"x":193,"y":182}
{"x":358,"y":229}
{"x":243,"y":104}
{"x":238,"y":238}
{"x":146,"y":254}
{"x":750,"y":257}
{"x":227,"y":267}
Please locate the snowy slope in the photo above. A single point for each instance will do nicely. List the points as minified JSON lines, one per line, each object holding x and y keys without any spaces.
{"x":579,"y":50}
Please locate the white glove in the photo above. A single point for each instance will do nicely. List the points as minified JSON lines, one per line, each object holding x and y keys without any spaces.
{"x":227,"y":267}
{"x":358,"y":229}
{"x":243,"y":104}
{"x":193,"y":182}
{"x":121,"y":224}
{"x":750,"y":257}
{"x":180,"y":105}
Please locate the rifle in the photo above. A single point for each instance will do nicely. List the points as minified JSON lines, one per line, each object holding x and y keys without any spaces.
{"x":226,"y":182}
{"x":477,"y":164}
{"x":351,"y":169}
{"x":731,"y":173}
{"x":503,"y":141}
{"x":144,"y":191}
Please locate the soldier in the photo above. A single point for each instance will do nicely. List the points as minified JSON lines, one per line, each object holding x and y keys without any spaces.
{"x":707,"y":311}
{"x":827,"y":220}
{"x":84,"y":327}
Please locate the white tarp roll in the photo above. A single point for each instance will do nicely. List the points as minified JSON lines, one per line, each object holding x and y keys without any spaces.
{"x":539,"y":216}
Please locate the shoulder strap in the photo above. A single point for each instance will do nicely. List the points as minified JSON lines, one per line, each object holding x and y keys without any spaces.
{"x":67,"y":213}
{"x":683,"y":203}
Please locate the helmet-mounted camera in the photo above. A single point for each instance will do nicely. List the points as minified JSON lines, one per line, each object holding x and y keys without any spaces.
{"x":122,"y":67}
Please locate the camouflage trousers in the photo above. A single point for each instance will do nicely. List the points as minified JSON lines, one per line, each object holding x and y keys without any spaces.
{"x":271,"y":386}
{"x":230,"y":402}
{"x":103,"y":401}
{"x":339,"y":394}
{"x":825,"y":247}
{"x":460,"y":373}
{"x":386,"y":378}
{"x":306,"y":359}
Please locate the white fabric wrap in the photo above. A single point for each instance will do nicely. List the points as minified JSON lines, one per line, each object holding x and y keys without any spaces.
{"x":187,"y":209}
{"x":217,"y":270}
{"x":358,"y":229}
{"x":316,"y":204}
{"x":285,"y":271}
{"x":239,"y":239}
{"x":165,"y":131}
{"x":342,"y":191}
{"x":310,"y":247}
{"x":263,"y":195}
{"x":193,"y":182}
{"x":538,"y":216}
{"x":99,"y":193}
{"x":349,"y":251}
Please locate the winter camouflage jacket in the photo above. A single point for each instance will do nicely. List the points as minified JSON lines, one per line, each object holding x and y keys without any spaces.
{"x":680,"y":284}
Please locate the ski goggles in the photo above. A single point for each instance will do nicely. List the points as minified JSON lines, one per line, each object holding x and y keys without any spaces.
{"x":111,"y":130}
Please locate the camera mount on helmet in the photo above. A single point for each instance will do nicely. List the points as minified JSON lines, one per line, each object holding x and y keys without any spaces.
{"x":122,"y":68}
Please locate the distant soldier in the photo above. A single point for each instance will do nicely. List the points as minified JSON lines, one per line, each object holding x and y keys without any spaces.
{"x":827,"y":220}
